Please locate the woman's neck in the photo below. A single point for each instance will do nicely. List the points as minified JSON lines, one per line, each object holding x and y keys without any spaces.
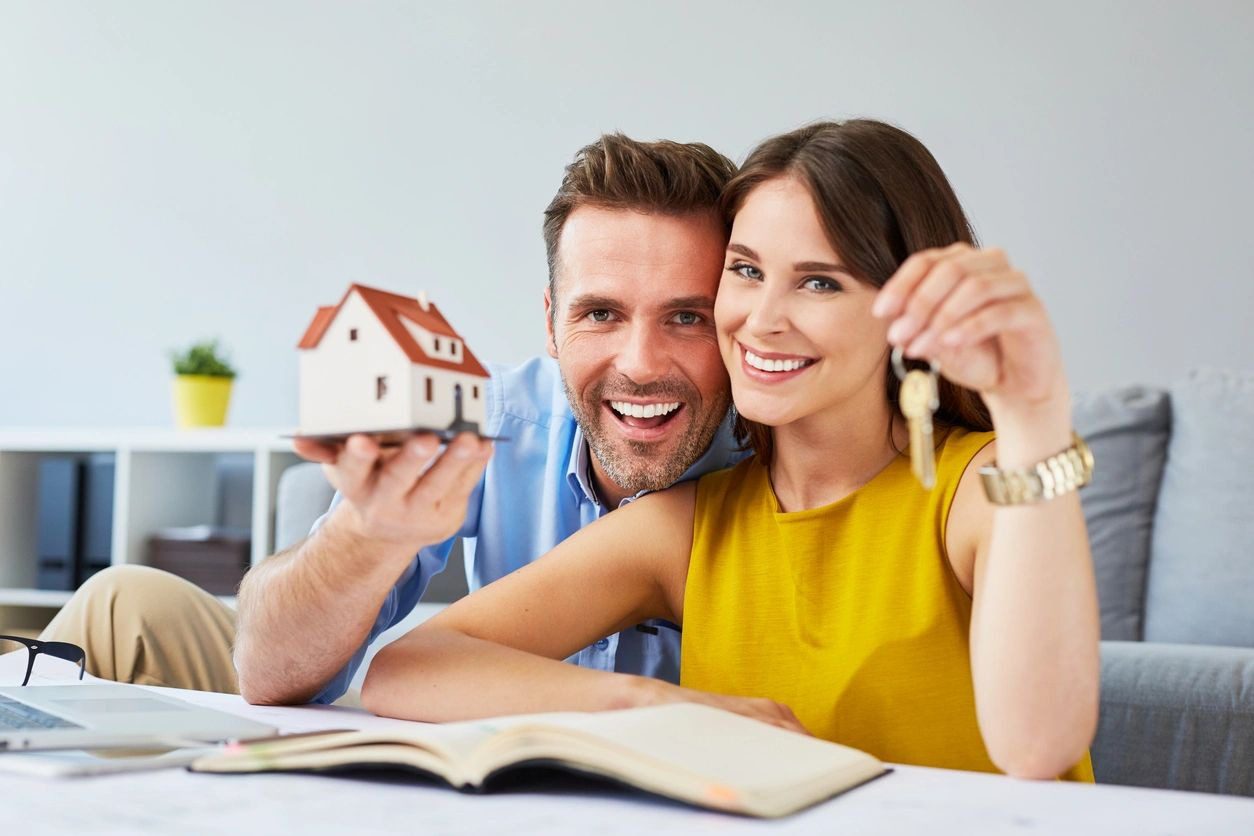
{"x":824,"y":458}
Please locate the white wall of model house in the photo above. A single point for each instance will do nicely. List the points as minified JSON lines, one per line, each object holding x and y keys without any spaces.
{"x":338,"y":377}
{"x":340,"y":387}
{"x":441,"y":410}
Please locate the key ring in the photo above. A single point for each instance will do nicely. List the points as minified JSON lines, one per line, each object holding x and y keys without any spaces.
{"x":899,"y":364}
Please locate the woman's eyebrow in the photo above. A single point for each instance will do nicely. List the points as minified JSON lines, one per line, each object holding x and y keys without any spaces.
{"x":819,"y":267}
{"x":800,"y":266}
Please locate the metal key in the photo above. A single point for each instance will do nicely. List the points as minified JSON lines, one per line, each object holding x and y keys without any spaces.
{"x":919,"y":399}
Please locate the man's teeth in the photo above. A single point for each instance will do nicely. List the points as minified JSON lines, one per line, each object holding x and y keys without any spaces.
{"x":642,"y":410}
{"x":774,"y":365}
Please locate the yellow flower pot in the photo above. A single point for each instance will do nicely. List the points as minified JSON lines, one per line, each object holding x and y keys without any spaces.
{"x":201,"y":400}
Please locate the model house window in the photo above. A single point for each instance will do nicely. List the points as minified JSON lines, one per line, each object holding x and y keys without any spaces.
{"x":437,"y":345}
{"x":380,"y":386}
{"x":352,"y":335}
{"x":474,"y":392}
{"x":430,"y":392}
{"x":453,"y":349}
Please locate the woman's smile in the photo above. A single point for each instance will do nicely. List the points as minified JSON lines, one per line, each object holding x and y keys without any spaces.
{"x":772,"y":367}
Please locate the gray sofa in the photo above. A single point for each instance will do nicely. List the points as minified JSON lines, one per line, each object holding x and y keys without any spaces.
{"x":1171,"y":521}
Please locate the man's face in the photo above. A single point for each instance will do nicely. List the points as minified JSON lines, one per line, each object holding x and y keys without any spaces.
{"x":632,"y":329}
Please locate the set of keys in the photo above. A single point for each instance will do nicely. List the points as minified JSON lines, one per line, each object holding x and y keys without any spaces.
{"x":919,"y":399}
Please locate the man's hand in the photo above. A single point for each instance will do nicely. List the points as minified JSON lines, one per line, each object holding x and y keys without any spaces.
{"x":409,"y":496}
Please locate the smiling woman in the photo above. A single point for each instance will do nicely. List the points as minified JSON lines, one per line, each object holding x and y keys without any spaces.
{"x":818,"y":587}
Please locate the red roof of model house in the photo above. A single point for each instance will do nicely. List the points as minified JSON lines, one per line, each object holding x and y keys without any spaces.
{"x":390,"y":308}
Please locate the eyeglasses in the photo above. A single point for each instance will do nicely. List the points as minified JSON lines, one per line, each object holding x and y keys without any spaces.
{"x":60,"y":650}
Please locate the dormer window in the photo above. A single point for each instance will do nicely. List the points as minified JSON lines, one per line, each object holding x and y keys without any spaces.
{"x":437,"y":345}
{"x":352,"y":335}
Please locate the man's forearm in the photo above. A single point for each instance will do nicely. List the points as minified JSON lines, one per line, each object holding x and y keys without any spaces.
{"x":305,"y":611}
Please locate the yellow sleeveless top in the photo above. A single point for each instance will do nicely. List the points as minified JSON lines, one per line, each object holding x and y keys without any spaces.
{"x":850,"y":614}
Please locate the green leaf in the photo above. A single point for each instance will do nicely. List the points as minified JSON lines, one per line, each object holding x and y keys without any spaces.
{"x":203,"y":358}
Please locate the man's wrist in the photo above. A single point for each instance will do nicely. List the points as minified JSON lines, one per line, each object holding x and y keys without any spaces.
{"x":345,"y":535}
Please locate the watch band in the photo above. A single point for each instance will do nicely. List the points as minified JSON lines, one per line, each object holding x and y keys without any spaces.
{"x":1061,"y":473}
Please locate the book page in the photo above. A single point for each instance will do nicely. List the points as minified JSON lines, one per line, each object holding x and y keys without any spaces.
{"x":706,"y":741}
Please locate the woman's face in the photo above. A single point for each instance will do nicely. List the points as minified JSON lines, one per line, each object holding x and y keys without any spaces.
{"x":794,"y":327}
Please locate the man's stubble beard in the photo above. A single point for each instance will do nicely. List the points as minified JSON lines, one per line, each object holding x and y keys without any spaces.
{"x":638,"y":468}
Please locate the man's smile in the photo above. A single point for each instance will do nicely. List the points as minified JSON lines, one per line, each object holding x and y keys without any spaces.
{"x":644,"y":420}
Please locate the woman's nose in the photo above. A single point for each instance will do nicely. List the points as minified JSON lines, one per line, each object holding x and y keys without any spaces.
{"x":768,"y":315}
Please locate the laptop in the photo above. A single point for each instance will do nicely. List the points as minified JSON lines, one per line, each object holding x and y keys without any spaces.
{"x":104,"y":715}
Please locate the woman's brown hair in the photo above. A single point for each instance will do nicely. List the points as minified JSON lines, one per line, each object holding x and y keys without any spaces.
{"x":881,"y":196}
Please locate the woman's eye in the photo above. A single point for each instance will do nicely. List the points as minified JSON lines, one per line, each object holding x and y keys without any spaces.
{"x":599,"y":315}
{"x":820,"y":284}
{"x":746,"y":270}
{"x":688,"y":318}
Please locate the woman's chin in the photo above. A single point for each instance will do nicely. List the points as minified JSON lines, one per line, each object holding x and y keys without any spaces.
{"x":766,"y":417}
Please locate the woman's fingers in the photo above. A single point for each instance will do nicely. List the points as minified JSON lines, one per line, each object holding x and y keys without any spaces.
{"x":972,"y":293}
{"x":891,"y":300}
{"x":930,"y":291}
{"x":993,"y":320}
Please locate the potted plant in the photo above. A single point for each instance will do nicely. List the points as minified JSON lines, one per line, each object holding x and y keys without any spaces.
{"x":202,"y":385}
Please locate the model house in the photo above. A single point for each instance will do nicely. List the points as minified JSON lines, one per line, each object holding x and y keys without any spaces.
{"x":381,"y":361}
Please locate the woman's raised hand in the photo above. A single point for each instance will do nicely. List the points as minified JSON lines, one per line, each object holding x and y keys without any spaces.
{"x":973,"y":313}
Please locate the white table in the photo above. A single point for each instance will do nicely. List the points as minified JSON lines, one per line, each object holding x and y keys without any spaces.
{"x":911,"y":800}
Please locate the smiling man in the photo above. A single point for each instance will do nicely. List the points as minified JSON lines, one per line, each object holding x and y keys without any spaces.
{"x":632,"y":398}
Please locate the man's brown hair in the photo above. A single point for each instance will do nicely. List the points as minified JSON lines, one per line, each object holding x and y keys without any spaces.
{"x":617,"y":172}
{"x":881,"y":196}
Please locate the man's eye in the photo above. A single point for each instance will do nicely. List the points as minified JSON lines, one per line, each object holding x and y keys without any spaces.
{"x":746,"y":270}
{"x":820,"y":284}
{"x":688,"y":318}
{"x":599,"y":315}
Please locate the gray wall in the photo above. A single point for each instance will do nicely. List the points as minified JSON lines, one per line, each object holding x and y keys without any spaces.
{"x":176,"y":170}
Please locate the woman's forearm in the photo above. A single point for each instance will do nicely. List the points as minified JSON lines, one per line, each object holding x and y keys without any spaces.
{"x":1035,"y":627}
{"x":439,"y":675}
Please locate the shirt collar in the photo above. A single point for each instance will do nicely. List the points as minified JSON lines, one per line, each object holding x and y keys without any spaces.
{"x":579,"y":472}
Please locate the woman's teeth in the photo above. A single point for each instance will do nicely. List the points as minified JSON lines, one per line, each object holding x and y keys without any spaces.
{"x":774,"y":365}
{"x":639,"y":410}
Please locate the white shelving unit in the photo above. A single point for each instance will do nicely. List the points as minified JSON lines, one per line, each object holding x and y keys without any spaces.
{"x":162,"y":478}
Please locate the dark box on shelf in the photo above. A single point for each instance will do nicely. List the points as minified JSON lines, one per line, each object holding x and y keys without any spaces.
{"x":57,"y":521}
{"x":214,"y":558}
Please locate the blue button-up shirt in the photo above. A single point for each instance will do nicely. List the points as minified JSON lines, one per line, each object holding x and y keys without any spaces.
{"x":535,"y":492}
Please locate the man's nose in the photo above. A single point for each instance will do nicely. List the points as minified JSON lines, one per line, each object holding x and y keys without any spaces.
{"x":643,"y":357}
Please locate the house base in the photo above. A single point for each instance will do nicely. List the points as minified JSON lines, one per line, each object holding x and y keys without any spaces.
{"x":396,"y":437}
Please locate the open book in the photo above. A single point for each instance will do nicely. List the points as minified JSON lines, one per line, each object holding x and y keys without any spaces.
{"x":688,"y":752}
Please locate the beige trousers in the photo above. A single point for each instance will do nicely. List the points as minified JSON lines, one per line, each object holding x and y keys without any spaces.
{"x":146,"y":626}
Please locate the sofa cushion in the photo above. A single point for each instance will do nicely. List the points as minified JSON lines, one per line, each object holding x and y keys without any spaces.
{"x":1127,"y":429}
{"x":1176,"y":717}
{"x":303,"y":495}
{"x":1201,"y":567}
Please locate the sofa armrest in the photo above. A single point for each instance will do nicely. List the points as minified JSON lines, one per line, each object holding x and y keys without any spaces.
{"x":1176,"y":716}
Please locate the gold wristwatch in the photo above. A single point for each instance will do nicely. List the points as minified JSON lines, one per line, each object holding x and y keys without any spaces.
{"x":1061,"y":473}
